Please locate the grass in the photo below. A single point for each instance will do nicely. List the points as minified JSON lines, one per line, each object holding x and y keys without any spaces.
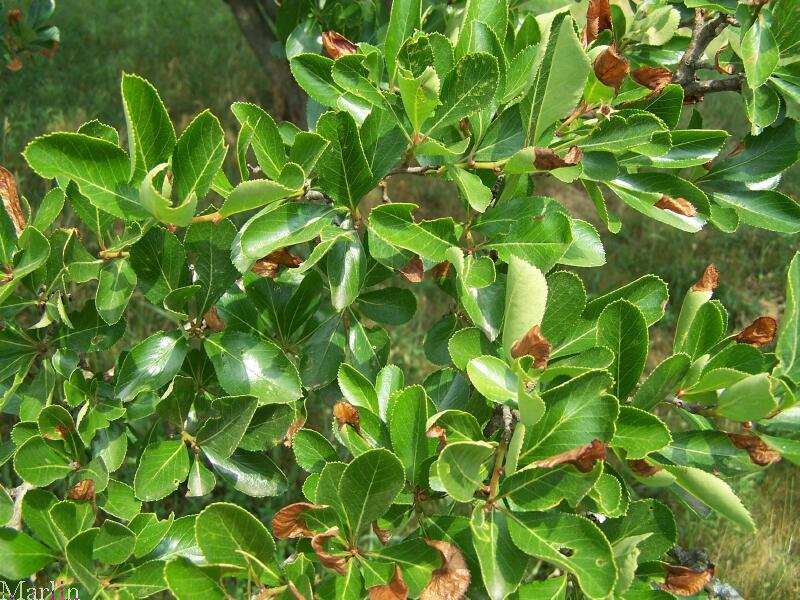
{"x":193,"y":52}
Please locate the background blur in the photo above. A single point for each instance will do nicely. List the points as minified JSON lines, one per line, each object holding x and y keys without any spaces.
{"x":195,"y":55}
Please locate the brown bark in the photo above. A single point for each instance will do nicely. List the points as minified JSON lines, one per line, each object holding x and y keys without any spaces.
{"x":256,"y":19}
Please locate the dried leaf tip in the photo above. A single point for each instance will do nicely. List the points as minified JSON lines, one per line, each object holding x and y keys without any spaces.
{"x":347,"y":414}
{"x":288,"y":522}
{"x":10,"y":197}
{"x":683,"y":581}
{"x":336,"y":45}
{"x":332,"y":561}
{"x":534,"y":344}
{"x":709,"y":281}
{"x":760,"y":454}
{"x":545,"y":159}
{"x":680,"y":206}
{"x":654,"y":78}
{"x":582,"y":457}
{"x":598,"y":18}
{"x":451,"y":580}
{"x":396,"y":589}
{"x":611,"y":68}
{"x":759,"y":333}
{"x":643,"y":468}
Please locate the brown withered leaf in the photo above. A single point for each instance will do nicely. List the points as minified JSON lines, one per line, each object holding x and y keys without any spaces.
{"x":709,"y":281}
{"x":598,"y":18}
{"x":287,"y":522}
{"x":683,"y":581}
{"x":643,"y":468}
{"x":413,"y":270}
{"x":759,"y":333}
{"x":270,"y":265}
{"x":654,"y":78}
{"x":213,"y":321}
{"x":451,"y":580}
{"x":583,"y":457}
{"x":441,"y":270}
{"x":436,"y":432}
{"x":336,"y":45}
{"x":83,"y":490}
{"x":611,"y":68}
{"x":298,"y":423}
{"x":678,"y":205}
{"x":534,"y":344}
{"x":332,"y":561}
{"x":547,"y":160}
{"x":8,"y":192}
{"x":347,"y":414}
{"x":760,"y":454}
{"x":383,"y":535}
{"x":396,"y":589}
{"x":49,"y":52}
{"x":15,"y":64}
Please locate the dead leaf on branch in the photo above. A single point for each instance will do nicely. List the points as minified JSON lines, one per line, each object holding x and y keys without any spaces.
{"x":413,"y":270}
{"x":336,"y":45}
{"x":288,"y":522}
{"x":347,"y":414}
{"x":213,"y":321}
{"x":534,"y":344}
{"x":760,"y":454}
{"x":298,"y":423}
{"x":547,"y":160}
{"x":83,"y":490}
{"x":10,"y":196}
{"x":709,"y":281}
{"x":611,"y":68}
{"x":759,"y":333}
{"x":582,"y":457}
{"x":437,"y":432}
{"x":679,"y":206}
{"x":332,"y":561}
{"x":383,"y":535}
{"x":441,"y":270}
{"x":654,"y":78}
{"x":451,"y":580}
{"x":643,"y":468}
{"x":396,"y":589}
{"x":270,"y":265}
{"x":683,"y":581}
{"x":598,"y":18}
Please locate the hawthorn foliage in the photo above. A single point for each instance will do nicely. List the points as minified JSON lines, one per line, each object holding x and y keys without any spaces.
{"x":523,"y":466}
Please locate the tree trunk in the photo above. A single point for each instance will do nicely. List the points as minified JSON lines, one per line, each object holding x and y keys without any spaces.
{"x":256,"y":19}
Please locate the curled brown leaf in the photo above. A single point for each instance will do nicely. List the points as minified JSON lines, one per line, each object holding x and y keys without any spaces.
{"x":336,"y":562}
{"x":270,"y":265}
{"x":336,"y":45}
{"x":598,"y":18}
{"x":441,"y":270}
{"x":654,"y":78}
{"x":437,"y":432}
{"x":83,"y":490}
{"x":760,"y":454}
{"x":383,"y":535}
{"x":213,"y":321}
{"x":396,"y":589}
{"x":347,"y":414}
{"x":759,"y":333}
{"x":709,"y":280}
{"x":678,"y":205}
{"x":288,"y":522}
{"x":611,"y":68}
{"x":451,"y":580}
{"x":8,"y":192}
{"x":643,"y":468}
{"x":547,"y":160}
{"x":534,"y":344}
{"x":683,"y":581}
{"x":413,"y":270}
{"x":583,"y":457}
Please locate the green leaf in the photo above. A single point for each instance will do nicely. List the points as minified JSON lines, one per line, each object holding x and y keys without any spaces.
{"x":352,"y":75}
{"x":472,"y":189}
{"x":662,"y":381}
{"x":342,"y":169}
{"x":99,"y":168}
{"x":40,"y":462}
{"x":313,"y":73}
{"x":391,"y":305}
{"x":114,"y":289}
{"x":408,"y":419}
{"x":690,"y":148}
{"x":368,"y":487}
{"x":187,"y":581}
{"x":394,"y":223}
{"x":502,"y":565}
{"x":252,"y":473}
{"x":566,"y":299}
{"x":6,"y":507}
{"x":714,"y":493}
{"x":265,"y":137}
{"x":151,"y":136}
{"x":198,"y":156}
{"x":766,"y":209}
{"x":208,"y":247}
{"x":526,"y":298}
{"x":347,"y":270}
{"x":461,"y":468}
{"x":114,"y":543}
{"x":163,"y":466}
{"x":403,"y":20}
{"x":759,"y":50}
{"x":201,"y":481}
{"x":151,"y":364}
{"x":71,"y":518}
{"x":24,"y":556}
{"x":254,"y":194}
{"x":356,"y":388}
{"x":750,"y":399}
{"x":222,"y":434}
{"x":229,"y":535}
{"x":420,"y":96}
{"x":119,"y":500}
{"x":312,"y":450}
{"x":559,"y":81}
{"x":622,"y":328}
{"x":248,"y":366}
{"x":493,"y":378}
{"x":468,"y":343}
{"x":541,"y":489}
{"x":545,"y":535}
{"x":466,"y":89}
{"x":787,"y":346}
{"x":639,"y":433}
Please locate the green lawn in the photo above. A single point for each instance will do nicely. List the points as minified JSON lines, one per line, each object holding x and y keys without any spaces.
{"x":192,"y":51}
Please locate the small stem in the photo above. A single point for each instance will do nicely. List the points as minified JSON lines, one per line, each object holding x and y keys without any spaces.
{"x":696,"y":408}
{"x":109,"y":254}
{"x":18,"y":494}
{"x":214,"y":217}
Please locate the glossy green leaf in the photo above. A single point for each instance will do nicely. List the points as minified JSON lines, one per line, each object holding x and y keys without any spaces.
{"x":163,"y":466}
